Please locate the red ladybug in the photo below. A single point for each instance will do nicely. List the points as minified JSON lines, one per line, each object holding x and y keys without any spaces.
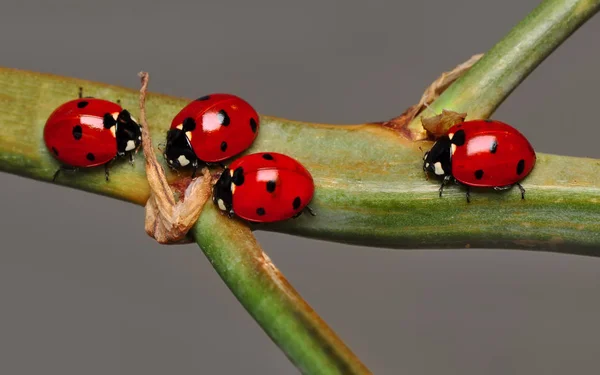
{"x":481,"y":153}
{"x":89,"y":132}
{"x":209,"y":130}
{"x":264,"y":187}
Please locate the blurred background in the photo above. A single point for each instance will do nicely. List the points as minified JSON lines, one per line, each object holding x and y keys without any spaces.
{"x":85,"y":291}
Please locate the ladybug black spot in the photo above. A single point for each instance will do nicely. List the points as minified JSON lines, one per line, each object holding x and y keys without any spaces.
{"x":520,"y":166}
{"x":225,"y":118}
{"x":267,"y":156}
{"x":238,"y":176}
{"x":205,"y":97}
{"x":253,"y":125}
{"x":90,"y":157}
{"x":108,"y":121}
{"x":459,"y":138}
{"x":271,"y":186}
{"x":189,"y":124}
{"x":479,"y":174}
{"x":260,"y":211}
{"x":55,"y":151}
{"x":77,"y":132}
{"x":223,"y":146}
{"x":296,"y":203}
{"x":82,"y":104}
{"x":494,"y":147}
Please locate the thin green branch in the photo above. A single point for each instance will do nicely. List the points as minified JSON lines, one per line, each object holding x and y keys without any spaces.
{"x":307,"y":341}
{"x":489,"y":82}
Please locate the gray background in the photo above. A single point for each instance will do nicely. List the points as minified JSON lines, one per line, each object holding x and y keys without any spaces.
{"x":83,"y":290}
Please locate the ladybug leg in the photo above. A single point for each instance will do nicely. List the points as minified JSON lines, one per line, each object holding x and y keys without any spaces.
{"x":106,"y":173}
{"x":522,"y":190}
{"x":194,"y":168}
{"x":81,"y":93}
{"x":468,"y":194}
{"x":56,"y":174}
{"x":444,"y":183}
{"x":307,"y":208}
{"x":230,"y":213}
{"x":64,"y":169}
{"x":131,"y":160}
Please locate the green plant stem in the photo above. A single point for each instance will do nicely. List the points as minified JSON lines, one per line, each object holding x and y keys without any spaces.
{"x":370,"y":188}
{"x":307,"y":341}
{"x":489,"y":82}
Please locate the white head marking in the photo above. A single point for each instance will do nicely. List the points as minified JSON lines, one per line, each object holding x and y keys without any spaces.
{"x":438,"y":169}
{"x":221,"y":205}
{"x":130,"y":145}
{"x":183,"y":161}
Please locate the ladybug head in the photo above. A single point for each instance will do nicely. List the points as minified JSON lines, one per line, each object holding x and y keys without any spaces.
{"x":222,"y":191}
{"x":178,"y":150}
{"x":225,"y":187}
{"x":128,"y":133}
{"x":437,"y":160}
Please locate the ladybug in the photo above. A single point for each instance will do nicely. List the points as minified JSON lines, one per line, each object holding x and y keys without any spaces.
{"x":264,"y":187}
{"x":89,"y":132}
{"x":481,"y":153}
{"x":209,"y":130}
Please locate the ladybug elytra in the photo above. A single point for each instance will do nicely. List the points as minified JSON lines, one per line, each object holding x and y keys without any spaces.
{"x":264,"y":187}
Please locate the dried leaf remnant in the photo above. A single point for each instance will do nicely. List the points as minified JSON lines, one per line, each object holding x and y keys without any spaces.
{"x":168,"y":221}
{"x":434,"y":90}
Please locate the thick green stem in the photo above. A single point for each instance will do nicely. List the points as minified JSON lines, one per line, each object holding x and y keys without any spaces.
{"x":370,"y":188}
{"x":489,"y":82}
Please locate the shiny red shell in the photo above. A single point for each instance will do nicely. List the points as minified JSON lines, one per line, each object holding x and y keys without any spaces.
{"x":225,"y":125}
{"x":493,"y":154}
{"x":75,"y":133}
{"x":276,"y":187}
